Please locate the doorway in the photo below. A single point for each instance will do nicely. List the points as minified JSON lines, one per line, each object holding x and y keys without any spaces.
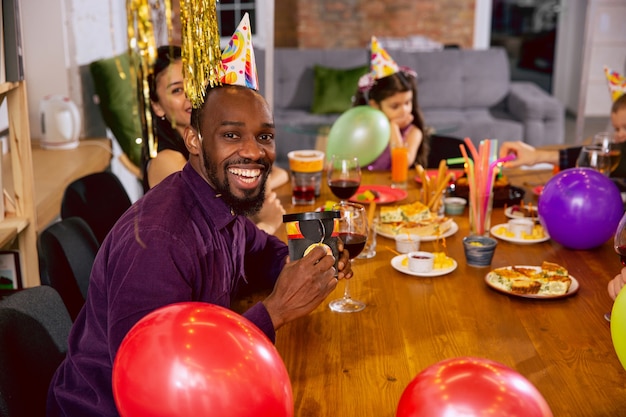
{"x":527,"y":30}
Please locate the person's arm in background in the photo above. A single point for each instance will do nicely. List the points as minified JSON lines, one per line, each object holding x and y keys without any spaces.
{"x":278,"y":177}
{"x":270,"y":217}
{"x":529,"y":155}
{"x":413,"y":138}
{"x":163,"y":164}
{"x":526,"y":154}
{"x":617,"y":283}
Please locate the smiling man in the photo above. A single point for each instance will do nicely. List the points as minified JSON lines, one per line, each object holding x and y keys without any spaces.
{"x":236,"y":166}
{"x":189,"y":240}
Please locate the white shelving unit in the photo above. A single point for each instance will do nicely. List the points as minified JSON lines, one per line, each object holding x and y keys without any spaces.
{"x":19,"y":230}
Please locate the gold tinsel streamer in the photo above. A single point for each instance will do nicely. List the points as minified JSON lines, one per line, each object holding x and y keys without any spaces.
{"x":202,"y":57}
{"x":142,"y":49}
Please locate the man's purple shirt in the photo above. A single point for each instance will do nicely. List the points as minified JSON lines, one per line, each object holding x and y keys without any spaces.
{"x":178,"y":243}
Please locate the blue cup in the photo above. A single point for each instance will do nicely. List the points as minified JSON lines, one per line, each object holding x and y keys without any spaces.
{"x":479,"y":250}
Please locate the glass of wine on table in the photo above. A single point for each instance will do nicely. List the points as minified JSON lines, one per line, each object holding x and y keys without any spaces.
{"x":619,"y":243}
{"x":343,"y":176}
{"x":607,"y":141}
{"x":352,"y":230}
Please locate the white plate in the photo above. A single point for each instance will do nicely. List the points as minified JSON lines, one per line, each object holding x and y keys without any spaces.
{"x":515,"y":239}
{"x":452,"y":230}
{"x":396,"y":262}
{"x":508,"y":212}
{"x":573,"y":288}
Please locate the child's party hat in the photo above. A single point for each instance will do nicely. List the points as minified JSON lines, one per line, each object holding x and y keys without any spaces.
{"x":617,"y":83}
{"x":382,"y":65}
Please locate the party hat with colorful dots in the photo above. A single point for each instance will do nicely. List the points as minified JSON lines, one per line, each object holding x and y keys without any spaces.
{"x":382,"y":65}
{"x":238,"y":58}
{"x":617,"y":83}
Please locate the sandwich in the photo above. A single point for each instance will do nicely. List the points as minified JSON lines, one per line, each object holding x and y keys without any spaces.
{"x":550,"y":279}
{"x":414,"y":218}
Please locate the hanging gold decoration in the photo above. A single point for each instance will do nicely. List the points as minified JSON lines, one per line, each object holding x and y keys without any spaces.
{"x":142,"y":50}
{"x":202,"y":57}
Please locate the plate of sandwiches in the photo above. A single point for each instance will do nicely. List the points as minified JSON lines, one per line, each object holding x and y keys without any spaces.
{"x":414,"y":218}
{"x":547,"y":281}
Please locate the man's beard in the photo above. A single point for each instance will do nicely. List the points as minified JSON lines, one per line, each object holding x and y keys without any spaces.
{"x":246,"y":206}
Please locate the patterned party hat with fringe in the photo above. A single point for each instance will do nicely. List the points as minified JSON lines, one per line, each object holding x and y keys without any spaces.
{"x":203,"y":62}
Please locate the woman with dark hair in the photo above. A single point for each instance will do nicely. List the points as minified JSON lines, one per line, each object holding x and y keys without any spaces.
{"x":171,"y":112}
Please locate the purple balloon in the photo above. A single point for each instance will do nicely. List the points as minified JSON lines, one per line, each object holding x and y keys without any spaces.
{"x":580,"y":208}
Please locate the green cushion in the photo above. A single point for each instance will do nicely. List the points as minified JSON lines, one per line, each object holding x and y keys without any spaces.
{"x":333,"y":88}
{"x":118,"y":102}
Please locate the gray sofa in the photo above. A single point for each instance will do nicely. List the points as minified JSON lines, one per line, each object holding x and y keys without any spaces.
{"x":462,"y":93}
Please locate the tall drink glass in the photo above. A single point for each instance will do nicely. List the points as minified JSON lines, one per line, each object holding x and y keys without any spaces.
{"x":399,"y":165}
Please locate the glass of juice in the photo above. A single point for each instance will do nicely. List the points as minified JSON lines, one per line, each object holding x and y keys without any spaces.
{"x":399,"y":165}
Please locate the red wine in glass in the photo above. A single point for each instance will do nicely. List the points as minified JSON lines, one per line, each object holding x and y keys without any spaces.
{"x":344,"y":189}
{"x":343,"y":176}
{"x":619,"y":241}
{"x":304,"y":193}
{"x":352,"y":229}
{"x":353,"y":242}
{"x":619,"y":244}
{"x":621,"y":251}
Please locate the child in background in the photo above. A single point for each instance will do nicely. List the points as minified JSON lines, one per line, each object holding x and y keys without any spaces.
{"x":566,"y":158}
{"x":171,"y":111}
{"x":393,"y":90}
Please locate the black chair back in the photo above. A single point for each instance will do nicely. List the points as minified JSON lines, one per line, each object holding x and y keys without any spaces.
{"x":67,"y":250}
{"x":34,"y":328}
{"x":443,"y":147}
{"x":100,"y":199}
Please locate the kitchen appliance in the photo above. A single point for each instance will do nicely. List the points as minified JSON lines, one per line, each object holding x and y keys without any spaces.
{"x":60,"y":122}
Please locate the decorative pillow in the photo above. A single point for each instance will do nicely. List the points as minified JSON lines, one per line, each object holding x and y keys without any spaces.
{"x":118,"y":103}
{"x":333,"y":88}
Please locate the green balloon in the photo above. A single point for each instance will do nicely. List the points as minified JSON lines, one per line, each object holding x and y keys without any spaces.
{"x":618,"y":326}
{"x":361,"y":132}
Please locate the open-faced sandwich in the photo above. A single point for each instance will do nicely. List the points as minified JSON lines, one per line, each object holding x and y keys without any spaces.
{"x":414,"y":218}
{"x":550,"y":279}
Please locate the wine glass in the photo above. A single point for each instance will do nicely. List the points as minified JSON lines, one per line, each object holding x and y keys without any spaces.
{"x":596,"y":157}
{"x":343,"y":176}
{"x":607,"y":141}
{"x":619,"y":244}
{"x":352,"y":230}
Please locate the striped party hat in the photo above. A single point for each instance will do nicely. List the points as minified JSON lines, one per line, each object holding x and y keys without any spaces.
{"x":239,"y":66}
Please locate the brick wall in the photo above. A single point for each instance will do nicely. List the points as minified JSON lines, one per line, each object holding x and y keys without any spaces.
{"x":351,"y":23}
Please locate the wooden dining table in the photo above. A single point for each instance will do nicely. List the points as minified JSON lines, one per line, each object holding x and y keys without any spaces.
{"x":358,"y":364}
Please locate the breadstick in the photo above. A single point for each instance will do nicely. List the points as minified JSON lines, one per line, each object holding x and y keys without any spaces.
{"x":422,"y":173}
{"x":436,"y":198}
{"x":441,"y":173}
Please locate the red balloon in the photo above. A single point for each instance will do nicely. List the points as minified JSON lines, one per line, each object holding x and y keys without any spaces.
{"x":199,"y":359}
{"x":471,"y":387}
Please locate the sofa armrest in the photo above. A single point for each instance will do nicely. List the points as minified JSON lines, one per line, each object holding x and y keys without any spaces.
{"x":543,"y":115}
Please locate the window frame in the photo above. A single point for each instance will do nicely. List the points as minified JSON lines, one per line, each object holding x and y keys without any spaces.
{"x":260,"y":26}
